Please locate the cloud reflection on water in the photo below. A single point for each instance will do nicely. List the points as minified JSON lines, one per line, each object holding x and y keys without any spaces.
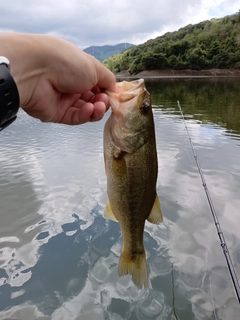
{"x":62,"y":256}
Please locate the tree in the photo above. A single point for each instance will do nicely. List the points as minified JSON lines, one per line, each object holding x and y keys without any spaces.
{"x":210,"y":44}
{"x":197,"y":59}
{"x":153,"y":61}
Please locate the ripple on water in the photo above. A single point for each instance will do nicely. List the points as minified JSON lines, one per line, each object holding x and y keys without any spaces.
{"x":160,"y":264}
{"x":100,"y":271}
{"x":53,"y":191}
{"x":151,"y":305}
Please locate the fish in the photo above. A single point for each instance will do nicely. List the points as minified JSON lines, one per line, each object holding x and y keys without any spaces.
{"x":131,"y":167}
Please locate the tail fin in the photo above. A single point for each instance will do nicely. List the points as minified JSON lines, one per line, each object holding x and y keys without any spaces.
{"x":136,"y":267}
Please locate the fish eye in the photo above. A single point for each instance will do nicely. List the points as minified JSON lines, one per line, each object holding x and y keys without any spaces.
{"x":144,"y":108}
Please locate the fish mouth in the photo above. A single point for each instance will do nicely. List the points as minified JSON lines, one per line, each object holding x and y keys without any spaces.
{"x":126,"y":93}
{"x":128,"y":86}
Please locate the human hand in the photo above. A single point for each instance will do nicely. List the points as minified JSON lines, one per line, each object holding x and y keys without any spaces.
{"x":57,"y":82}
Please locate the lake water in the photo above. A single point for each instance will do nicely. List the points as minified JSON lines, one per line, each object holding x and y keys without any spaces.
{"x":59,"y":256}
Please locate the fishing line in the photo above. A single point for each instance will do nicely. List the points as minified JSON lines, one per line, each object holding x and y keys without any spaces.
{"x":215,"y":218}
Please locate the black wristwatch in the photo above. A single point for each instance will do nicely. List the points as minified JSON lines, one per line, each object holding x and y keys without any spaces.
{"x":9,"y":96}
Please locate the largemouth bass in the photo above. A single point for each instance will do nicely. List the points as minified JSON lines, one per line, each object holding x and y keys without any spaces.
{"x":131,"y":167}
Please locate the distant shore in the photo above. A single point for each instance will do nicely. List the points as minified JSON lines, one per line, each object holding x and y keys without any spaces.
{"x":181,"y":73}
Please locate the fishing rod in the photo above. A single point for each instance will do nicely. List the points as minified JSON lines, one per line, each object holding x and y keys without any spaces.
{"x":215,"y":218}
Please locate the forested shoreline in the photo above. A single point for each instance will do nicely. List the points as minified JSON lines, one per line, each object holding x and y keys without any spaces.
{"x":211,"y":44}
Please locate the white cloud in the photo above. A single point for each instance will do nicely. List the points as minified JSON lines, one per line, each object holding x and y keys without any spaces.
{"x":100,"y":22}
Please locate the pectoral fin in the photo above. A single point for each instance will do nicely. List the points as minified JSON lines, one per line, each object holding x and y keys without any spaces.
{"x":155,"y":215}
{"x":108,"y":214}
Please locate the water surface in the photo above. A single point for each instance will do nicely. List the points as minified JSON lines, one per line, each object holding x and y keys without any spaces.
{"x":59,"y":256}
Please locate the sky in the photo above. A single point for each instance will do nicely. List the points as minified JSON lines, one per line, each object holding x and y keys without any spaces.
{"x":100,"y":22}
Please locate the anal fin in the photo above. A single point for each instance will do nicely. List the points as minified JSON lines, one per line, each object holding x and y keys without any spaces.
{"x":108,"y":214}
{"x":155,"y":215}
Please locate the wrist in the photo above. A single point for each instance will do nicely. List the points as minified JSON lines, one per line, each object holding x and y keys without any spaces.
{"x":23,"y":53}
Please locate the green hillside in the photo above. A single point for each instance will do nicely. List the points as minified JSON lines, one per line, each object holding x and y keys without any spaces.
{"x":209,"y":44}
{"x":103,"y":52}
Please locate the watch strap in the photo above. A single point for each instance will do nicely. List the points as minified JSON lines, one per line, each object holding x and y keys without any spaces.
{"x":9,"y":96}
